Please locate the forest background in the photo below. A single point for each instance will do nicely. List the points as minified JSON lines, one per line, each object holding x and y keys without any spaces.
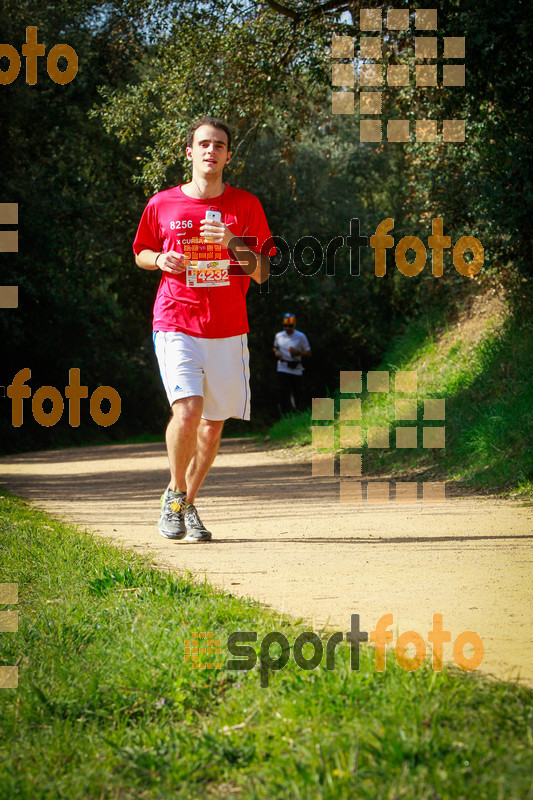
{"x":82,"y":159}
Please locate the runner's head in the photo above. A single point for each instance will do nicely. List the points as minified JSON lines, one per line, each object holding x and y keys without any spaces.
{"x":214,"y":122}
{"x":209,"y":145}
{"x":289,"y":321}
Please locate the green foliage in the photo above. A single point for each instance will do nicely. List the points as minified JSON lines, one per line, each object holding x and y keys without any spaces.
{"x":243,"y":63}
{"x":315,"y":189}
{"x":75,"y":157}
{"x":482,"y":187}
{"x":80,"y":299}
{"x":489,"y":406}
{"x":489,"y":409}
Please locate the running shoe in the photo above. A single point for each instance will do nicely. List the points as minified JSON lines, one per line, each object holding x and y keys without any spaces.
{"x":171,"y":522}
{"x":196,"y":530}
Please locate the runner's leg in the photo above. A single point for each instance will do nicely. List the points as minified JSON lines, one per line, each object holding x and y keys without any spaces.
{"x":207,"y":443}
{"x":284,"y":387}
{"x":296,"y":385}
{"x":181,"y":438}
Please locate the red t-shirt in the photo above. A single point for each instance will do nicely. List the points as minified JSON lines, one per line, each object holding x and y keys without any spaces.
{"x":209,"y":302}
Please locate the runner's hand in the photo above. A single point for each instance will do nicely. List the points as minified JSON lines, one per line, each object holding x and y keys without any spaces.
{"x":173,"y":262}
{"x":218,"y":232}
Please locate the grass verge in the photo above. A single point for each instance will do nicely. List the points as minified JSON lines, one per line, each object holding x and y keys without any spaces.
{"x":107,"y":707}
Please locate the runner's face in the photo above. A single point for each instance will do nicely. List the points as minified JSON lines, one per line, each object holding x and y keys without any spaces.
{"x":209,"y":151}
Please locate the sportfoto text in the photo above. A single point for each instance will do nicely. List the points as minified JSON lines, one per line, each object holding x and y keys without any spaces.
{"x":32,"y":50}
{"x":246,"y":656}
{"x":308,"y":254}
{"x":74,"y":391}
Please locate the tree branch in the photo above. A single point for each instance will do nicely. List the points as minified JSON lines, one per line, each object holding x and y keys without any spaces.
{"x":330,"y":5}
{"x":313,"y":13}
{"x":287,"y":12}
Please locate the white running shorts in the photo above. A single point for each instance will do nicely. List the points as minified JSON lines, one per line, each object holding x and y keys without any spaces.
{"x":216,"y":369}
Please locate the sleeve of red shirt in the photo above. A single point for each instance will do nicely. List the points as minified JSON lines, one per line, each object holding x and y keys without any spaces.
{"x":147,"y":236}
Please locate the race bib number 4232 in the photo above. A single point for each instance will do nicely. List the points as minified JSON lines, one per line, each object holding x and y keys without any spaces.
{"x":208,"y":274}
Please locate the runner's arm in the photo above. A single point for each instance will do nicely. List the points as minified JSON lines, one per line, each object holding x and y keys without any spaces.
{"x":255,"y":265}
{"x":277,"y":351}
{"x":305,"y":347}
{"x":166,"y":262}
{"x":303,"y":350}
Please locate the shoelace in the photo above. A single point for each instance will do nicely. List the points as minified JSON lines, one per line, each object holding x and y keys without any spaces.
{"x":175,"y":516}
{"x":196,"y":522}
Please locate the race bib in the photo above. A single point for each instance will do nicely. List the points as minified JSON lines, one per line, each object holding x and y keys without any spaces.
{"x":208,"y":274}
{"x":207,"y":268}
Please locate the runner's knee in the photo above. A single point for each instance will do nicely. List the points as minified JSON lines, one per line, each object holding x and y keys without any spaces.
{"x":187,"y":410}
{"x":210,"y":431}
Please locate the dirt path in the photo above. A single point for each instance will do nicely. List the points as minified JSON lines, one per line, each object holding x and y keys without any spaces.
{"x":283,"y":538}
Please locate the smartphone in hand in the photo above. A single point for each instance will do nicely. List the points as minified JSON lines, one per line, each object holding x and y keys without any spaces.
{"x":212,"y":215}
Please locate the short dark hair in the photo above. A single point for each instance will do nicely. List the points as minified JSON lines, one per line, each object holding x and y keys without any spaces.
{"x":215,"y":122}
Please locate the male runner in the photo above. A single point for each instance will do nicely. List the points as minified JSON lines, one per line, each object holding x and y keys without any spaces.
{"x":200,"y":321}
{"x":290,"y":346}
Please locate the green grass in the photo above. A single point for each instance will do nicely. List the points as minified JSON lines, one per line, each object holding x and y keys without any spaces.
{"x":488,"y":387}
{"x":107,"y":707}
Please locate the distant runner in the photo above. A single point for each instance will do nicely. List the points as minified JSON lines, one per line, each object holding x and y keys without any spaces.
{"x":200,"y":322}
{"x":290,"y":346}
